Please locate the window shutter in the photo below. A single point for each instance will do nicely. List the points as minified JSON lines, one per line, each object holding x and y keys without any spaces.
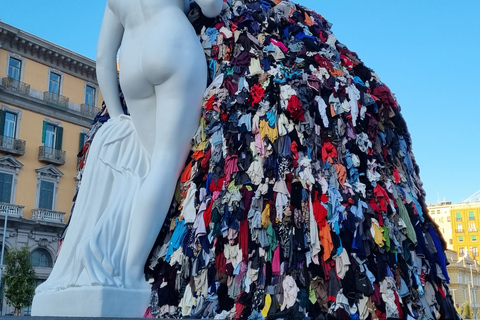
{"x":2,"y":122}
{"x":46,"y":195}
{"x":58,"y":138}
{"x":5,"y":187}
{"x":81,"y":141}
{"x":44,"y":129}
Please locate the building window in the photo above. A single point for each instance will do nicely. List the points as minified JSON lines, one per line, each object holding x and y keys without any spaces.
{"x":450,"y":241}
{"x":9,"y":168}
{"x":6,"y":185}
{"x":474,"y":251}
{"x":90,"y":95}
{"x":48,"y":178}
{"x":52,"y":135}
{"x":460,"y":277}
{"x":460,"y":239}
{"x":461,"y":252}
{"x":459,"y":227}
{"x":474,"y":238}
{"x":41,"y":258}
{"x":54,"y":83}
{"x":14,"y":68}
{"x":471,"y":227}
{"x":471,"y":216}
{"x":448,"y":219}
{"x":459,"y":216}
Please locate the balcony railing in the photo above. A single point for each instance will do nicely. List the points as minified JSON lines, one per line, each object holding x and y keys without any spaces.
{"x":12,"y":145}
{"x":14,"y":210}
{"x":51,"y":155}
{"x":55,"y":100}
{"x":15,"y":85}
{"x":48,"y":215}
{"x":459,"y":231}
{"x":88,"y":110}
{"x":472,"y":229}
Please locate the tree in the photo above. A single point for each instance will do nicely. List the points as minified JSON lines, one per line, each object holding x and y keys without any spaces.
{"x":19,"y":279}
{"x":467,"y":312}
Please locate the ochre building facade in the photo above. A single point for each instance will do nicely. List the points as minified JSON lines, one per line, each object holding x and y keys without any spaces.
{"x":48,"y":98}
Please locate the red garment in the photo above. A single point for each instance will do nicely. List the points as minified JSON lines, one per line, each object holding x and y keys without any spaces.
{"x":319,"y":211}
{"x":257,"y":93}
{"x":207,"y":215}
{"x":209,"y":103}
{"x":396,"y":175}
{"x":385,"y":95}
{"x":380,"y":200}
{"x":399,"y":307}
{"x":221,"y":263}
{"x":346,"y":62}
{"x":295,"y":108}
{"x":243,"y":239}
{"x":205,"y":161}
{"x":217,"y":186}
{"x":238,"y":310}
{"x":328,"y":151}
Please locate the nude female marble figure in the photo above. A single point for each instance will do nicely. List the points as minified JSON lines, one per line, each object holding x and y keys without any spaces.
{"x":134,"y":162}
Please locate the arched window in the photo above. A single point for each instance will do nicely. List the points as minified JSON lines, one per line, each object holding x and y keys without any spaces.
{"x":41,"y":258}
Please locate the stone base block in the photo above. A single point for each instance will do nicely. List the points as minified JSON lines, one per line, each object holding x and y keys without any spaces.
{"x":91,"y":302}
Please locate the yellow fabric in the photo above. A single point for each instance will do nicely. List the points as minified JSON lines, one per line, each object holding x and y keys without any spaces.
{"x":266,"y":216}
{"x":378,"y":233}
{"x":267,"y":131}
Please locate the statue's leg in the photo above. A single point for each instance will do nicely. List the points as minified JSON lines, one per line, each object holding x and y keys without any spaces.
{"x":178,"y":106}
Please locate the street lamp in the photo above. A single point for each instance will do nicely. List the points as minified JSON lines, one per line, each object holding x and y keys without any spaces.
{"x":3,"y":252}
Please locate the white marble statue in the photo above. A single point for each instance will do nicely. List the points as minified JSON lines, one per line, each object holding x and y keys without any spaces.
{"x":134,"y":161}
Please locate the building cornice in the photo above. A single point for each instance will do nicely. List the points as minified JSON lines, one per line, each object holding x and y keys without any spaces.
{"x":39,"y":106}
{"x":42,"y":51}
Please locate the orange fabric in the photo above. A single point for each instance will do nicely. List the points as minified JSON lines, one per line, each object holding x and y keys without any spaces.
{"x":197,"y":155}
{"x":186,"y":173}
{"x":326,"y":241}
{"x":341,"y":173}
{"x":335,"y":72}
{"x":308,"y":21}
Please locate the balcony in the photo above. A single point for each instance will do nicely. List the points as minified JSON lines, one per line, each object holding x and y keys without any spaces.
{"x":55,"y":100}
{"x":472,"y":229}
{"x":12,"y":145}
{"x":88,"y":110}
{"x":48,"y":215}
{"x":459,"y":231}
{"x":51,"y":155}
{"x":14,"y":210}
{"x":15,"y":85}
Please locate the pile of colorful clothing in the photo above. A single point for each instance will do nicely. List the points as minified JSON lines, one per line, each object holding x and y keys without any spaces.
{"x":301,"y":196}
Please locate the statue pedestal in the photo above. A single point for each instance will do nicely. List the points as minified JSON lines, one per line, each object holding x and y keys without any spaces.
{"x":91,"y":302}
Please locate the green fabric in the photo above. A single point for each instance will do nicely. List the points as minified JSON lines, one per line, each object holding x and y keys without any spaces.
{"x":406,"y":218}
{"x":387,"y":238}
{"x":272,"y":239}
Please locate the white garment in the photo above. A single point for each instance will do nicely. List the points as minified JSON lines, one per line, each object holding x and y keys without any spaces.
{"x":189,"y":212}
{"x":93,"y":252}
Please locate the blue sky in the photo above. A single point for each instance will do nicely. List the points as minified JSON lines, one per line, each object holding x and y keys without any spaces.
{"x":427,"y":52}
